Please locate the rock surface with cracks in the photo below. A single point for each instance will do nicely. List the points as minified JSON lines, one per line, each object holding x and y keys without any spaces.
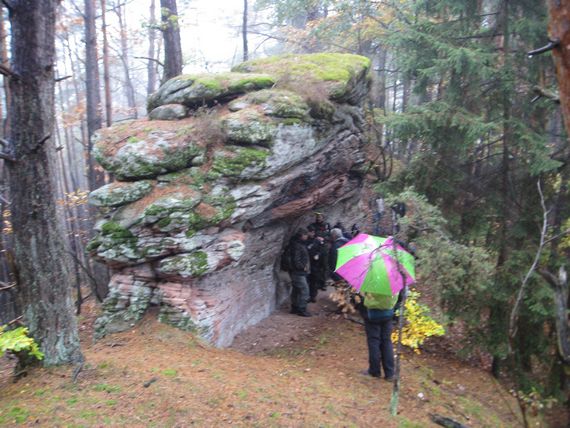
{"x":206,"y":199}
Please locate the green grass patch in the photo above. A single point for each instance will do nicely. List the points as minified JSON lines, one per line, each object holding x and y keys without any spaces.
{"x":16,"y":415}
{"x":103,"y":387}
{"x":169,"y":372}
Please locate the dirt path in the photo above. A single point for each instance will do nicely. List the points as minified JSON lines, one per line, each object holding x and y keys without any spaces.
{"x":288,"y":371}
{"x":282,"y":329}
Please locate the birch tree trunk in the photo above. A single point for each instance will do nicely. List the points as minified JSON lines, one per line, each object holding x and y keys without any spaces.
{"x":44,"y":279}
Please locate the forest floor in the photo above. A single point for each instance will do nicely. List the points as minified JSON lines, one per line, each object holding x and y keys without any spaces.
{"x":288,"y":371}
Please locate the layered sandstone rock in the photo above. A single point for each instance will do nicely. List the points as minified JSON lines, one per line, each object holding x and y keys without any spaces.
{"x":205,"y":200}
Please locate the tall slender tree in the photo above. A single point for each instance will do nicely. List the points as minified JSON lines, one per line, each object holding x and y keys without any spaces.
{"x":244,"y":31}
{"x":151,"y":60}
{"x":171,"y":34}
{"x":44,"y":280}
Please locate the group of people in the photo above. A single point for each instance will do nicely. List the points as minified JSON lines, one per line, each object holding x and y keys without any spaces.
{"x":313,"y":256}
{"x":313,"y":253}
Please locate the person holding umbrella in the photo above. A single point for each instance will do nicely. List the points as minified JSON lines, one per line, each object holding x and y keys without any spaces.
{"x":378,"y":312}
{"x":378,"y":268}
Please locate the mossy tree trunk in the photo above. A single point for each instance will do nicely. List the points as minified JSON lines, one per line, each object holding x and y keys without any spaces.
{"x":44,"y":279}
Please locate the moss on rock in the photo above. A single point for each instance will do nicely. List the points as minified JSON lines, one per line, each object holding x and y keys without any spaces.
{"x":196,"y":90}
{"x":234,"y":163}
{"x":248,"y":126}
{"x":274,"y":102}
{"x":189,"y":265}
{"x":340,"y":72}
{"x":120,"y":193}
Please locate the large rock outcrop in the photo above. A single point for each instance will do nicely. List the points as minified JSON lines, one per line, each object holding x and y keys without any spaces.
{"x":211,"y":186}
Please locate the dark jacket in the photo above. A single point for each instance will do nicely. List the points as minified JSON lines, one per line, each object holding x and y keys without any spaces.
{"x":319,"y":254}
{"x":321,"y":229}
{"x":333,"y":254}
{"x":300,"y":257}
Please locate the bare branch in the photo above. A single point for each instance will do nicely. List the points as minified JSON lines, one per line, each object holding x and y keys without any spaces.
{"x":15,"y":320}
{"x":150,"y":59}
{"x":6,"y":286}
{"x":566,"y":232}
{"x":61,"y":79}
{"x":7,"y":72}
{"x":515,"y":311}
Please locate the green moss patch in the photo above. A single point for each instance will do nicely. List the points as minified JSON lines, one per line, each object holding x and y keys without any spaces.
{"x":274,"y":102}
{"x":232,"y":164}
{"x":302,"y":73}
{"x":248,"y":126}
{"x":193,"y":264}
{"x":199,"y":89}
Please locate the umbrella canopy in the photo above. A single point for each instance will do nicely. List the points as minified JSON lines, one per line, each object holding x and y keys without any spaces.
{"x":372,"y":264}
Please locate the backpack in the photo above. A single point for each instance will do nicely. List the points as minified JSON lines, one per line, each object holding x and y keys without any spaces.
{"x":379,"y":307}
{"x":287,"y":259}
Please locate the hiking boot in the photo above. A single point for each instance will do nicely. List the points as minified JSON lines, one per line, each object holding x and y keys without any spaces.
{"x":294,"y":311}
{"x":304,"y":314}
{"x":367,"y":373}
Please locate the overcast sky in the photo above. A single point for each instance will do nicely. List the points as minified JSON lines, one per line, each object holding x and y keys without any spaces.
{"x":210,"y":31}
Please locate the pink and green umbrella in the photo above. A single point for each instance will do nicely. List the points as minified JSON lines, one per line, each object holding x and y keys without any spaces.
{"x":371,"y":264}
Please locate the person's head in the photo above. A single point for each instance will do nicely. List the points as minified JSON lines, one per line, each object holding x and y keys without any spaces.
{"x":336,"y":233}
{"x":319,"y":218}
{"x":312,"y":231}
{"x":302,"y":234}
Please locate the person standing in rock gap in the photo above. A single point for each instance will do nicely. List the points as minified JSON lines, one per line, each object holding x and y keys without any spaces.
{"x":317,"y":253}
{"x":322,"y":228}
{"x":301,"y":268}
{"x":337,"y":241}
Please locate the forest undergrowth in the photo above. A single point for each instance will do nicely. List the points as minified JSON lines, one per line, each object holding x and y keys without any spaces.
{"x":286,"y":371}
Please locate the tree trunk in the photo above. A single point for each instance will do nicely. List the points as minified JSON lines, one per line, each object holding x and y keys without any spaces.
{"x":44,"y":279}
{"x":4,"y":62}
{"x":129,"y":88}
{"x":171,"y":36}
{"x":151,"y":66}
{"x":106,"y":73}
{"x":559,"y":28}
{"x":96,"y":176}
{"x":244,"y":31}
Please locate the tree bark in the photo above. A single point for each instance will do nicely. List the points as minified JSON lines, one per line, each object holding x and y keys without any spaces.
{"x":559,"y":29}
{"x":4,"y":62}
{"x":44,"y":279}
{"x":151,"y":66}
{"x":244,"y":32}
{"x":171,"y":36}
{"x":106,"y":73}
{"x":96,"y":176}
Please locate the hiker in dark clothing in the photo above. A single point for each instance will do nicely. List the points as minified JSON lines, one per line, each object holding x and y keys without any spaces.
{"x":318,"y":254}
{"x":322,"y":228}
{"x":300,"y":270}
{"x":337,"y":241}
{"x":345,"y":233}
{"x":377,"y":312}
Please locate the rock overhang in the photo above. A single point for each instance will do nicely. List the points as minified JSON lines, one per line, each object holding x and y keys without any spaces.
{"x":196,"y":195}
